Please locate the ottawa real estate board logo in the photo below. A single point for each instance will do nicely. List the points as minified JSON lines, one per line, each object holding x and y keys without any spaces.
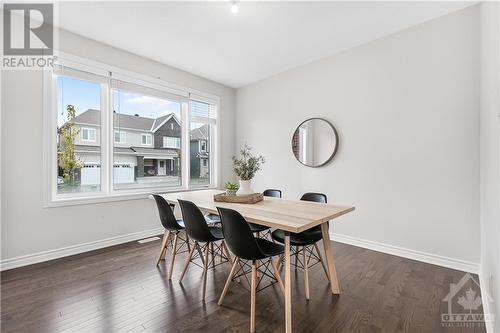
{"x":464,"y":304}
{"x":28,"y":35}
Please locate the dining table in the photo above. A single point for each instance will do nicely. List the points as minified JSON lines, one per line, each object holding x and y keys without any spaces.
{"x":291,"y":216}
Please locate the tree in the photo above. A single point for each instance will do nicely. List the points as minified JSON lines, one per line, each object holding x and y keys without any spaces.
{"x":68,"y":160}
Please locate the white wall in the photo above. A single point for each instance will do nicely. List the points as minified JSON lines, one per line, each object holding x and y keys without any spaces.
{"x":29,"y":228}
{"x":406,"y":108}
{"x":489,"y":152}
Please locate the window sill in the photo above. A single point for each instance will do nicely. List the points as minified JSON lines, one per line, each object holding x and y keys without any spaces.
{"x":127,"y":196}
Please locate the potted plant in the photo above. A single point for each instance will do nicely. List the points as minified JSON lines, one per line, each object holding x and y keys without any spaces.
{"x":245,"y":168}
{"x":231,"y":188}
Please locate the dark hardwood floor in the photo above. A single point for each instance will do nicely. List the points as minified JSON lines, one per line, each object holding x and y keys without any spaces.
{"x":119,"y":289}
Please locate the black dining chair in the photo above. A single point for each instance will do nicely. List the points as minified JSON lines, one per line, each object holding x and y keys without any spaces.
{"x":242,"y":243}
{"x":305,"y":243}
{"x":257,"y":228}
{"x":272,"y":193}
{"x":198,"y":230}
{"x":173,"y":227}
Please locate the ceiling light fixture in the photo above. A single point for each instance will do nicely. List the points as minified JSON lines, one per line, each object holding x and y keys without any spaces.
{"x":234,"y":7}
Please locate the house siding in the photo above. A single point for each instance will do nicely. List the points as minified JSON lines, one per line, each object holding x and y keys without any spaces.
{"x":166,"y":130}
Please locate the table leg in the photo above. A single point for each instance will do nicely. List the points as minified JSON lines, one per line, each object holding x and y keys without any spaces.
{"x":288,"y":286}
{"x":334,"y":283}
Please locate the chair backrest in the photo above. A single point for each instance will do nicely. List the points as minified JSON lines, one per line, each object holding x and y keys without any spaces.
{"x":238,"y":236}
{"x":316,"y":197}
{"x":272,"y":193}
{"x":195,"y":223}
{"x":167,"y":217}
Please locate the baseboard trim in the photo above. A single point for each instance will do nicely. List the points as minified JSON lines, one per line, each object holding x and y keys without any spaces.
{"x":429,"y":258}
{"x":75,"y":249}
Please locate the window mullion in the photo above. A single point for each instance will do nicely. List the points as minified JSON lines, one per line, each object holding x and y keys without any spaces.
{"x":105,"y":161}
{"x":109,"y":137}
{"x":185,"y":145}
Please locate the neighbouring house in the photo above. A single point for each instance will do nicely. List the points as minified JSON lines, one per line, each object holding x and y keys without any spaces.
{"x":143,"y":147}
{"x":199,"y":159}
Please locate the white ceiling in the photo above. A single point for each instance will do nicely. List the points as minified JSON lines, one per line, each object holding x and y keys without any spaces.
{"x":263,"y":39}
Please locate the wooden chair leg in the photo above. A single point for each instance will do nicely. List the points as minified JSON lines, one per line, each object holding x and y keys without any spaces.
{"x":163,"y":249}
{"x":322,"y":262}
{"x":205,"y":268}
{"x":306,"y":273}
{"x":277,"y":275}
{"x":226,"y":251}
{"x":280,"y":262}
{"x":187,"y":262}
{"x":174,"y":252}
{"x":228,"y":282}
{"x":252,"y":296}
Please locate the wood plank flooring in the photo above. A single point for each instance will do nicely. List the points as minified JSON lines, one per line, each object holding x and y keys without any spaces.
{"x":119,"y":289}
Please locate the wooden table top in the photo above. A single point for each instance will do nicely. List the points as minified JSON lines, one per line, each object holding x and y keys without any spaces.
{"x":289,"y":215}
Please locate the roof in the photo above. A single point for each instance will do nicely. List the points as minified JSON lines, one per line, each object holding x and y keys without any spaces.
{"x":200,"y":133}
{"x":161,"y":120}
{"x":93,"y":117}
{"x":154,"y":151}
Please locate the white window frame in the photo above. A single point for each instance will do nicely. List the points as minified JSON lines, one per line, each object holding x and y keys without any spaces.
{"x":213,"y":143}
{"x":107,"y":192}
{"x":176,"y":139}
{"x":146,"y":135}
{"x":88,"y":129}
{"x":120,"y":133}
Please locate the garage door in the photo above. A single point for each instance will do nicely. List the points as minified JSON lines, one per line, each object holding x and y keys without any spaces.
{"x":123,"y":173}
{"x":90,"y":174}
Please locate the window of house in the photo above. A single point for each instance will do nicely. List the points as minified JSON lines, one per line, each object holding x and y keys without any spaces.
{"x":202,"y":125}
{"x":77,"y":153}
{"x":101,"y":126}
{"x":88,"y":134}
{"x":140,"y":108}
{"x":203,"y":145}
{"x":146,"y":139}
{"x":171,"y":142}
{"x":120,"y":137}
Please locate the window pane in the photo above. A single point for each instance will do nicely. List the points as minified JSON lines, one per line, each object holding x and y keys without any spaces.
{"x":201,"y":125}
{"x":142,"y":156}
{"x":78,"y":135}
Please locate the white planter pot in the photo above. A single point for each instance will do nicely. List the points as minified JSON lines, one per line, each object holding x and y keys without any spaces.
{"x":245,"y":187}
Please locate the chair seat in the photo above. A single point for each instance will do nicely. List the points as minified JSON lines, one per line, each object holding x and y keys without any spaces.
{"x":269,"y":249}
{"x":181,"y":223}
{"x":212,"y":218}
{"x":209,"y":219}
{"x":305,"y":238}
{"x":216,"y":232}
{"x":257,"y":227}
{"x":179,"y":227}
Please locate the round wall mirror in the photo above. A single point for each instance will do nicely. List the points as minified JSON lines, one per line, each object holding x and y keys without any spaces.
{"x":315,"y":142}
